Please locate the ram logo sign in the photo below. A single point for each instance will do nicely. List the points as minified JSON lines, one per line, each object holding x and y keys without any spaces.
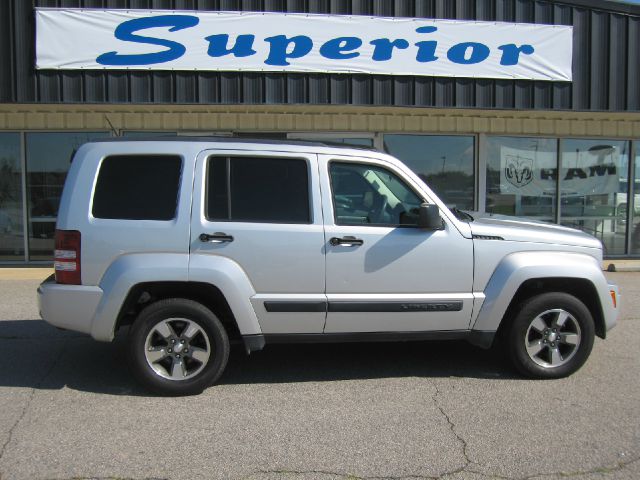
{"x":519,"y":171}
{"x":535,"y":174}
{"x":279,"y":42}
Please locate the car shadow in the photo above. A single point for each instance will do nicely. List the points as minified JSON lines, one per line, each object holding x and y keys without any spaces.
{"x":42,"y":357}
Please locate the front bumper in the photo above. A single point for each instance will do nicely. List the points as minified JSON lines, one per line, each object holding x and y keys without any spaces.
{"x":71,"y":307}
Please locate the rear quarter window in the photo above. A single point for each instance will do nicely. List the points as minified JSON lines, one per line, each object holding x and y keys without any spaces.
{"x":137,"y":187}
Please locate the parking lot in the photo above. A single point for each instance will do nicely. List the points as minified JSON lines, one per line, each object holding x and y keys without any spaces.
{"x":69,"y":409}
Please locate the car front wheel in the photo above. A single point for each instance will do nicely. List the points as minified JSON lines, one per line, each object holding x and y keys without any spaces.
{"x":551,"y":336}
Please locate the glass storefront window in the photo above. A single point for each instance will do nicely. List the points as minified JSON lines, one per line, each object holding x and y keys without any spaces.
{"x":48,"y":160}
{"x":593,"y":186}
{"x":635,"y":204}
{"x":444,"y":163}
{"x":11,"y":228}
{"x":522,"y":176}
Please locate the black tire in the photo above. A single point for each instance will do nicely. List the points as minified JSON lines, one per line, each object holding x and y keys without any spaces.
{"x":177,"y":313}
{"x":565,"y":357}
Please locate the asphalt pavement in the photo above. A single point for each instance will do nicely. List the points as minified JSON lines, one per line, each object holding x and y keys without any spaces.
{"x":69,"y":409}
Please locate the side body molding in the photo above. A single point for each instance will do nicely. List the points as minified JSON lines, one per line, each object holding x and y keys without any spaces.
{"x":516,"y":268}
{"x":124,"y":273}
{"x":234,"y":284}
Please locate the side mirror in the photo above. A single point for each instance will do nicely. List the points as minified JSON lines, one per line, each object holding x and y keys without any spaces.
{"x":429,"y":217}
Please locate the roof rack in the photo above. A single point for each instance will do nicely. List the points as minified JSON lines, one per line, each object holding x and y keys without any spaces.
{"x":217,"y":139}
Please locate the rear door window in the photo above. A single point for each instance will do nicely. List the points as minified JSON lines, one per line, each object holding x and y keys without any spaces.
{"x":258,"y":189}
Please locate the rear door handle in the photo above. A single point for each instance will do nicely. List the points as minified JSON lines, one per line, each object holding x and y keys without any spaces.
{"x":347,"y":241}
{"x":218,"y":237}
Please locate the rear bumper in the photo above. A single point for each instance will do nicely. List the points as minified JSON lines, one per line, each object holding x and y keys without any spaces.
{"x":71,"y":307}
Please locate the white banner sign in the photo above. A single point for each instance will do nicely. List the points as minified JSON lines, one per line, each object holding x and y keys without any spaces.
{"x":524,"y":172}
{"x":278,"y":42}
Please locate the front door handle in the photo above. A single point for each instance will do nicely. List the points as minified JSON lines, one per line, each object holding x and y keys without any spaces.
{"x":218,"y":237}
{"x":347,"y":241}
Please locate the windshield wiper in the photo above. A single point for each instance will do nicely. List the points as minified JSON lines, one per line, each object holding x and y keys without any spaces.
{"x":461,"y":215}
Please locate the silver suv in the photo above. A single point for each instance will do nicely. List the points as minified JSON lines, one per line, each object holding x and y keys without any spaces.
{"x":198,"y":242}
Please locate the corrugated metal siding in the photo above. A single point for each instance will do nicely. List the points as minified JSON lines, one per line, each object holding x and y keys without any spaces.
{"x":606,"y":62}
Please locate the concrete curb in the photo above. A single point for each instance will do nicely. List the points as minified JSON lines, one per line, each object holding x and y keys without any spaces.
{"x":621,"y":265}
{"x":25,"y":273}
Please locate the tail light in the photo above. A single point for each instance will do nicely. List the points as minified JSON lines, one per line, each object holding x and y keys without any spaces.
{"x":67,"y":257}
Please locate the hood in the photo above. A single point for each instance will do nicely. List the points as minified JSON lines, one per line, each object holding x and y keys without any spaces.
{"x":529,"y":230}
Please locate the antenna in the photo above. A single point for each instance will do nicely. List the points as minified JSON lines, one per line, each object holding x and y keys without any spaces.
{"x":113,"y":129}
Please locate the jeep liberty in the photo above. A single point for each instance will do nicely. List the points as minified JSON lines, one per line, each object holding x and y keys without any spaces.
{"x":196,"y":242}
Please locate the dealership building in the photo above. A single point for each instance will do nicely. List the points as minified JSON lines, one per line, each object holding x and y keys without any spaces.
{"x":512,"y":107}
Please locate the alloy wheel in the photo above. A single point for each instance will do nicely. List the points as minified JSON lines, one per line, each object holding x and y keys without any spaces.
{"x":177,"y":349}
{"x":553,"y":338}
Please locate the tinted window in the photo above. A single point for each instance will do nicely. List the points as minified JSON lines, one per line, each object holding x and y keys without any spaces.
{"x":367,"y":194}
{"x":138,"y":187}
{"x":249,"y":189}
{"x":217,"y":189}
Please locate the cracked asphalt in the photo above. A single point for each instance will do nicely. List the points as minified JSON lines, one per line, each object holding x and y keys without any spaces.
{"x":69,"y":409}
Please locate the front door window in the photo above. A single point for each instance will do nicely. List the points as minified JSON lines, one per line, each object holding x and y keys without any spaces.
{"x":371,"y":195}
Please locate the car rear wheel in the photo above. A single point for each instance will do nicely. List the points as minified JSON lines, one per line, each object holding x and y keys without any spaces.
{"x":551,"y":336}
{"x":177,"y":347}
